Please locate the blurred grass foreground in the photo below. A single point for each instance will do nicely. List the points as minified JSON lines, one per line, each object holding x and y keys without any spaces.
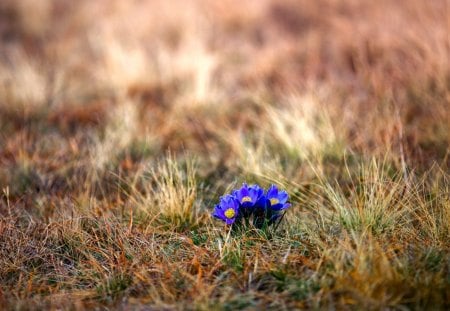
{"x":123,"y":122}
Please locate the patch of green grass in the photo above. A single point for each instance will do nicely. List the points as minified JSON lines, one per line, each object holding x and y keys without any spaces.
{"x":113,"y":286}
{"x":234,"y":259}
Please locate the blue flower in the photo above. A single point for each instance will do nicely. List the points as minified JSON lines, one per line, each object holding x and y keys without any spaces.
{"x":277,"y":200}
{"x":250,"y":196}
{"x":252,"y":203}
{"x":227,"y":209}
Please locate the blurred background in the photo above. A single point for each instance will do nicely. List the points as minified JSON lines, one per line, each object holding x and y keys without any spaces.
{"x":115,"y":81}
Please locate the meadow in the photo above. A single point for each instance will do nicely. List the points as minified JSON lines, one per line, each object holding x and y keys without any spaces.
{"x":123,"y":122}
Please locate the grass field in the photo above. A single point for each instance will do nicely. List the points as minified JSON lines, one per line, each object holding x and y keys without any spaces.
{"x":123,"y":122}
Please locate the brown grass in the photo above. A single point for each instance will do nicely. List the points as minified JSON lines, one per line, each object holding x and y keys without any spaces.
{"x":121,"y":124}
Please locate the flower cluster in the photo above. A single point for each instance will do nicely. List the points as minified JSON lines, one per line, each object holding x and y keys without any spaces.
{"x":252,"y":202}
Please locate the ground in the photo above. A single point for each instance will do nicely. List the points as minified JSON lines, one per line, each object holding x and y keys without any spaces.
{"x":123,"y":122}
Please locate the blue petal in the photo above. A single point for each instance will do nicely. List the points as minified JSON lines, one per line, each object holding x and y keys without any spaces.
{"x":272,"y":191}
{"x":219,"y":216}
{"x":283,"y":196}
{"x":229,"y":221}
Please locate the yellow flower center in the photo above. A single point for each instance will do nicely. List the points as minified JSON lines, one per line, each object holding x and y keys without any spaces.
{"x":229,"y":213}
{"x":274,"y":201}
{"x":246,"y":199}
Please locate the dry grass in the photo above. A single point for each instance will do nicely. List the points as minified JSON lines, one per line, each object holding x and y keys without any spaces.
{"x":121,"y":124}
